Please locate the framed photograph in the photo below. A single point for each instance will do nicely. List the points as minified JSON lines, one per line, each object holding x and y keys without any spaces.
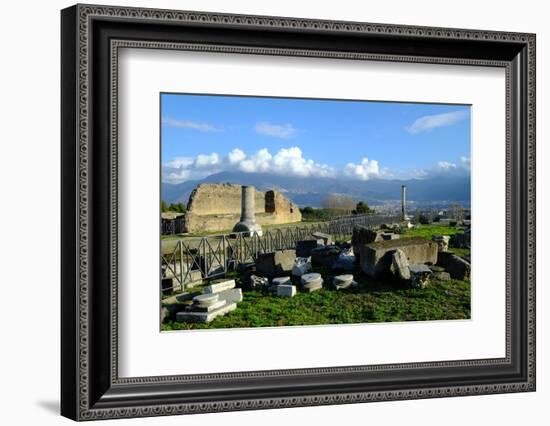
{"x":263,"y":212}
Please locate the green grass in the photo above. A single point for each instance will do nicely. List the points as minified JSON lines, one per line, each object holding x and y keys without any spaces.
{"x":427,"y":231}
{"x":372,"y":301}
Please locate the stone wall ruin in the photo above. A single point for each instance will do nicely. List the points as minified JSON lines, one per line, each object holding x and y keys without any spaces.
{"x":217,"y":207}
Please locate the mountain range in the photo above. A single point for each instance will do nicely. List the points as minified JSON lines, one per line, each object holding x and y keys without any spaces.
{"x":311,"y":191}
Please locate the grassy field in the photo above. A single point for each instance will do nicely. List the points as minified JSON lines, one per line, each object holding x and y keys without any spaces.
{"x":372,"y":301}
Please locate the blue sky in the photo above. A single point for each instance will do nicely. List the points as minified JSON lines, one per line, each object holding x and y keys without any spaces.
{"x":205,"y":134}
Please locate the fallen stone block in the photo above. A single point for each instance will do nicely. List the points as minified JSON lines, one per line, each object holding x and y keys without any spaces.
{"x":257,"y":282}
{"x":363,"y":235}
{"x":442,"y":242}
{"x":420,"y":275}
{"x":209,"y":308}
{"x":206,"y":299}
{"x":376,"y":258}
{"x":327,"y":238}
{"x":286,"y":290}
{"x":275,"y":263}
{"x":458,"y":268}
{"x":325,"y":256}
{"x":304,"y":247}
{"x":461,"y":240}
{"x":217,"y":286}
{"x":346,"y":261}
{"x":301,"y":266}
{"x":400,"y":265}
{"x":233,"y":295}
{"x":343,"y":281}
{"x":194,"y":316}
{"x":312,"y":281}
{"x":388,"y":236}
{"x":281,"y":281}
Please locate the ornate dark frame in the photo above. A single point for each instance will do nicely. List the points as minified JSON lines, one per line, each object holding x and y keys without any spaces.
{"x":91,"y":37}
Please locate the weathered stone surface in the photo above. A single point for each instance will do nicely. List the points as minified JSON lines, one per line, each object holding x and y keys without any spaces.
{"x":286,"y":290}
{"x":343,"y":281}
{"x":194,"y":316}
{"x":218,"y":286}
{"x":388,"y":236}
{"x":400,"y":265}
{"x":346,"y":261}
{"x":218,"y":207}
{"x":233,"y":295}
{"x":442,"y":242}
{"x":206,"y":299}
{"x":313,"y":286}
{"x":420,"y":275}
{"x":206,"y":308}
{"x":281,"y":281}
{"x":327,"y":238}
{"x":301,"y":266}
{"x":275,"y":263}
{"x":325,"y":256}
{"x":304,"y":247}
{"x":257,"y":282}
{"x":376,"y":258}
{"x":312,"y":281}
{"x":443,"y":258}
{"x":461,"y":240}
{"x":311,"y":277}
{"x":458,"y":268}
{"x":441,"y":276}
{"x":363,"y":235}
{"x":394,"y":227}
{"x":343,"y":278}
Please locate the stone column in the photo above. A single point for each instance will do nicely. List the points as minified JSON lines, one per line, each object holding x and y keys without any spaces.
{"x":404,"y":202}
{"x":248,"y":223}
{"x":248,"y":205}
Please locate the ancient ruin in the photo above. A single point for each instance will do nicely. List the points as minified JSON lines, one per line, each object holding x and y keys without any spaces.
{"x":218,"y":207}
{"x":248,"y":224}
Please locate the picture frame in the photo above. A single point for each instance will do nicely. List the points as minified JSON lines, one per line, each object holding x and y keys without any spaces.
{"x":90,"y":385}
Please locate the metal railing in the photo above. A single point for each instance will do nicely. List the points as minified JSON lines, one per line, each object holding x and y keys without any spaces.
{"x":215,"y":255}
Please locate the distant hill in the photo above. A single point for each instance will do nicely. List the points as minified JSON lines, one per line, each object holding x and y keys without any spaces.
{"x":310,"y":191}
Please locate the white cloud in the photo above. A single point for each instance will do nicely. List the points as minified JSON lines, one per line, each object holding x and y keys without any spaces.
{"x":429,"y":122}
{"x":291,"y":162}
{"x":364,"y":170}
{"x":209,"y":160}
{"x":445,"y":165}
{"x":257,"y":163}
{"x":282,"y":131}
{"x":287,"y":161}
{"x":236,"y":156}
{"x":188,"y":124}
{"x":179,"y":162}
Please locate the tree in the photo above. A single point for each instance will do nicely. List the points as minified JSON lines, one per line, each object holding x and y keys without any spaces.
{"x":363,"y":208}
{"x":163,"y":206}
{"x":177,"y":207}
